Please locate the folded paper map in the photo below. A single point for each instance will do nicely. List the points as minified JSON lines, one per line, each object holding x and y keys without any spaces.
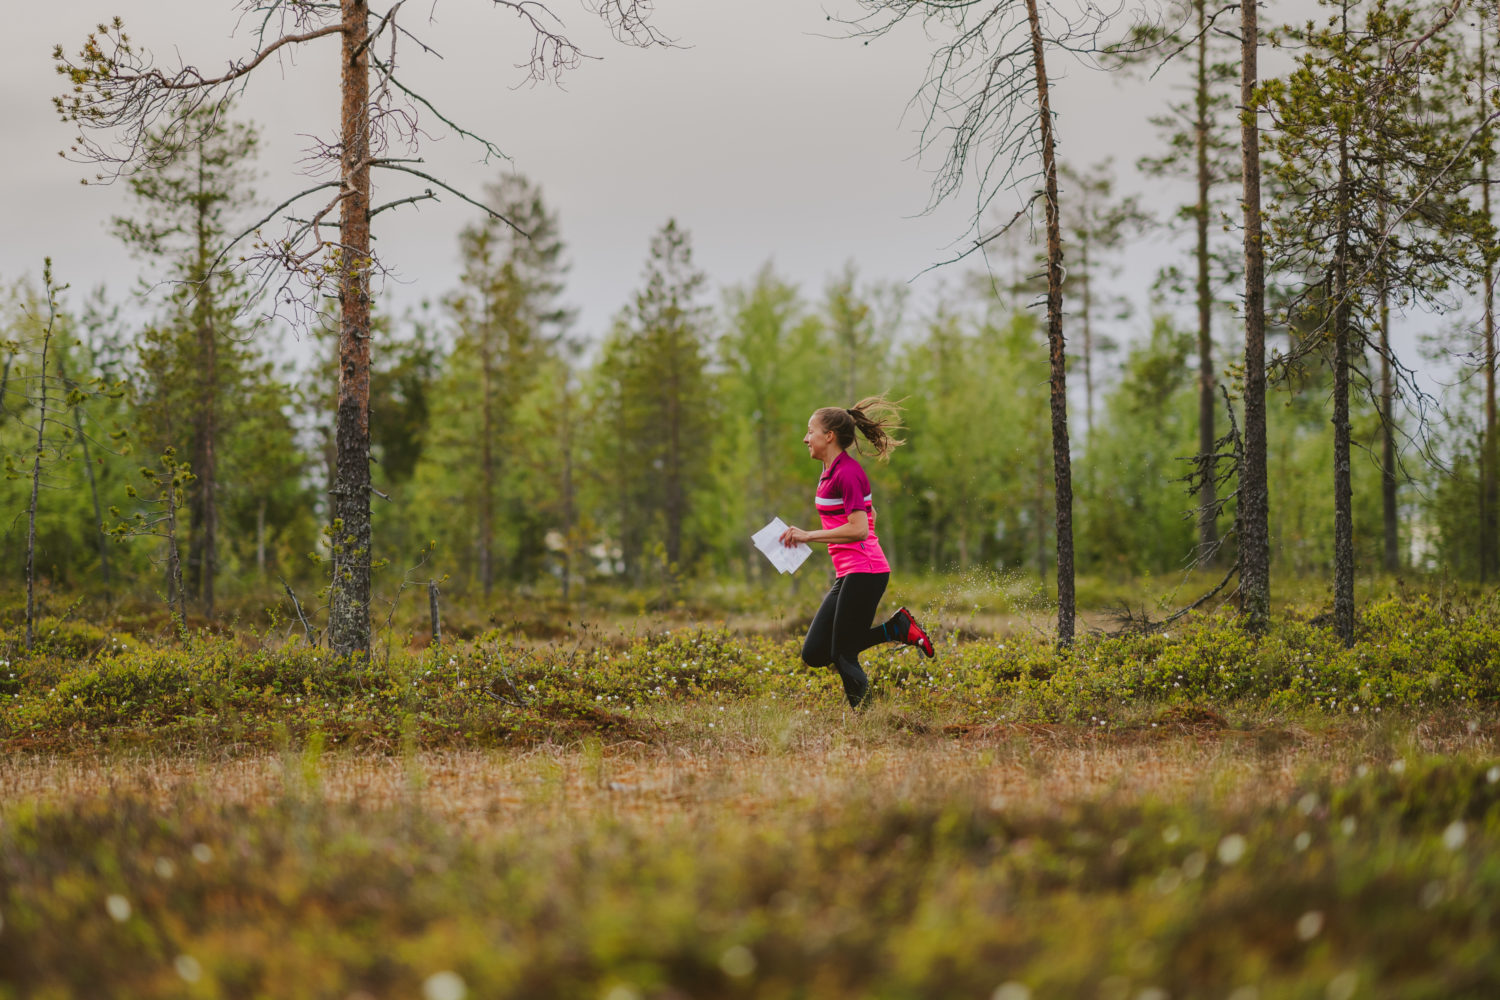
{"x":785,"y":558}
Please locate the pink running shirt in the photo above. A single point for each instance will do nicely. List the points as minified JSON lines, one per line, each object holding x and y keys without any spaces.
{"x":843,"y":489}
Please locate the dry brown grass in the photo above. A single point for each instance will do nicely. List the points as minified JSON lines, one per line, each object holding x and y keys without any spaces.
{"x":752,"y":763}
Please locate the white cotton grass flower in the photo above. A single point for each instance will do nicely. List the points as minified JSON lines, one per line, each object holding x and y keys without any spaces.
{"x":118,"y":908}
{"x":1231,"y":849}
{"x":1455,"y":835}
{"x":737,"y":961}
{"x":188,"y":968}
{"x":1343,"y":986}
{"x":1309,"y":925}
{"x":202,"y":853}
{"x":1011,"y":991}
{"x":444,"y":985}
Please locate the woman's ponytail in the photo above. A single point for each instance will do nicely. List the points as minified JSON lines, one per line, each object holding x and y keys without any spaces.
{"x":876,"y":417}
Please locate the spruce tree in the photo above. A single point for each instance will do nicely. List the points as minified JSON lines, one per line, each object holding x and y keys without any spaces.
{"x":658,"y":407}
{"x":192,"y":361}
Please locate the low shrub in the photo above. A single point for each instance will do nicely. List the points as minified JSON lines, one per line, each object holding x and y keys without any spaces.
{"x":1413,"y":656}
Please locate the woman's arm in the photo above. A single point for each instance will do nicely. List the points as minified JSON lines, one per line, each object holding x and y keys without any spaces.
{"x":856,"y":529}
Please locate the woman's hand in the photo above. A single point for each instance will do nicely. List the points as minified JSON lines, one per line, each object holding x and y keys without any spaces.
{"x":795,"y":536}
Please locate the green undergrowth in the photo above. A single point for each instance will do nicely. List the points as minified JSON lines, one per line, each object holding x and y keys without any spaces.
{"x":82,"y":686}
{"x":1382,"y":885}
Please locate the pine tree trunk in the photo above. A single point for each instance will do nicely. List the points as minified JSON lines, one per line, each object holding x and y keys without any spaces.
{"x":36,"y":482}
{"x":1489,"y":452}
{"x":1491,"y":547}
{"x":349,"y":612}
{"x":175,"y":590}
{"x":1343,"y":508}
{"x":1062,"y":472}
{"x":205,"y":512}
{"x":1254,"y":499}
{"x":1392,"y":549}
{"x":486,"y":462}
{"x":1041,"y":516}
{"x":202,"y":516}
{"x":1208,"y":531}
{"x":260,"y":539}
{"x":88,"y":468}
{"x":569,"y":530}
{"x":1088,"y":350}
{"x":672,"y":474}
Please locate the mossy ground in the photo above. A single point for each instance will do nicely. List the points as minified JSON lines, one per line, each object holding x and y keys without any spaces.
{"x":668,"y":813}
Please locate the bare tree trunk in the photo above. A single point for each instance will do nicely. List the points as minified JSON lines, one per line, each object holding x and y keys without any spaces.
{"x":349,"y":611}
{"x":260,"y":539}
{"x":204,"y":512}
{"x":1208,"y":530}
{"x":1088,"y":348}
{"x":1254,"y":500}
{"x":486,"y":462}
{"x":5,"y":381}
{"x":1488,"y":451}
{"x":1062,"y":472}
{"x":1041,"y":516}
{"x":1392,"y":550}
{"x":36,"y":474}
{"x":202,"y":515}
{"x":1343,"y":508}
{"x":569,"y":529}
{"x":675,"y":502}
{"x":175,"y":591}
{"x":88,"y":468}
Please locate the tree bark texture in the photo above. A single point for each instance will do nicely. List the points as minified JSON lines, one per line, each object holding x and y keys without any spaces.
{"x":1062,"y":472}
{"x":1392,"y":548}
{"x":1254,"y":498}
{"x":349,"y":611}
{"x":202,"y":513}
{"x":1343,"y":508}
{"x":1208,"y":531}
{"x":1489,"y":452}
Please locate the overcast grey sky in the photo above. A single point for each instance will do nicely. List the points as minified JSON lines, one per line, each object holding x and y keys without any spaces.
{"x":764,"y":136}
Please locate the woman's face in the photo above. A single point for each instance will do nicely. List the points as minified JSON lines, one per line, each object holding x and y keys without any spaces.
{"x":821,"y":444}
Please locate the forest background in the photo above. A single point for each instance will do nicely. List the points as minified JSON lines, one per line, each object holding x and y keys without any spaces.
{"x":516,"y":448}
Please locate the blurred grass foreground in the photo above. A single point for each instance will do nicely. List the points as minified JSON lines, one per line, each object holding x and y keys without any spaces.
{"x":1193,"y":812}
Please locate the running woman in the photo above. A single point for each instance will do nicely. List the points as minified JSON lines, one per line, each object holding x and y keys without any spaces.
{"x":841,"y":629}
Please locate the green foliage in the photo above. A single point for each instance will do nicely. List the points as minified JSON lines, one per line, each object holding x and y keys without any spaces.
{"x":657,"y":416}
{"x":1413,"y":656}
{"x":485,"y":416}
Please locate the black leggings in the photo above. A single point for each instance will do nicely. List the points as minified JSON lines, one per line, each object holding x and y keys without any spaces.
{"x":841,"y":629}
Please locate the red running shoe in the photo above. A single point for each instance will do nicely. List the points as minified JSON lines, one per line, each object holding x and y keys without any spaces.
{"x":909,"y":632}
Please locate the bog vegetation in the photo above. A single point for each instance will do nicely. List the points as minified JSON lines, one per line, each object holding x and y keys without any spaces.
{"x":572,"y":749}
{"x":667,"y":811}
